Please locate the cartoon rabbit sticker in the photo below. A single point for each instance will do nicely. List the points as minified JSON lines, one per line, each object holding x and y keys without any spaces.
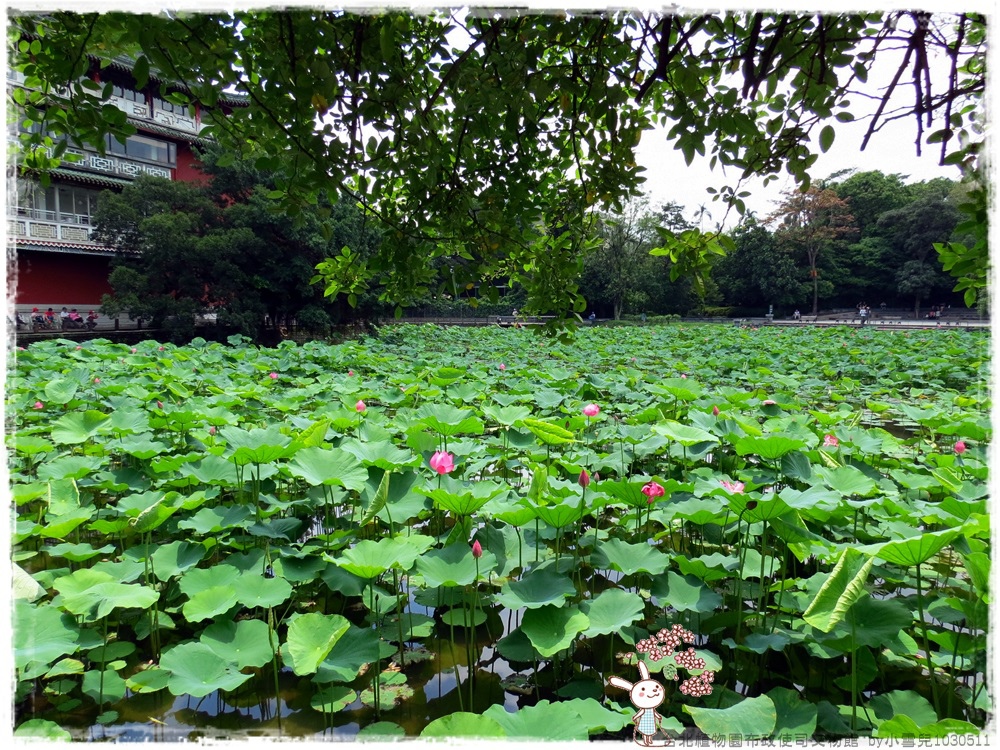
{"x":646,"y":695}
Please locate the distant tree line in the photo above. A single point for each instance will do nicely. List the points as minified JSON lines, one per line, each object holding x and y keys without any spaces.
{"x":862,"y":237}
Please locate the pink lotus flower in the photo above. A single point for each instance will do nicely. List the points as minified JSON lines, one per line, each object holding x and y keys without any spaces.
{"x":960,"y":447}
{"x":273,"y":376}
{"x":684,"y":375}
{"x":97,"y":380}
{"x":211,"y":430}
{"x":652,"y":490}
{"x":768,"y":402}
{"x":597,"y":476}
{"x":79,"y":348}
{"x":715,"y":410}
{"x":502,"y":367}
{"x":39,"y":405}
{"x":360,"y":407}
{"x":159,"y":404}
{"x":134,"y":350}
{"x":735,"y":487}
{"x":592,"y":410}
{"x":584,"y":479}
{"x":442,"y":462}
{"x":829,"y":441}
{"x":160,"y":349}
{"x":477,"y":549}
{"x":350,"y":373}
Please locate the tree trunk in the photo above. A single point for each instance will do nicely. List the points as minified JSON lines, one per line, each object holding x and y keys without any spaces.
{"x":618,"y":310}
{"x":916,"y":308}
{"x":815,"y":293}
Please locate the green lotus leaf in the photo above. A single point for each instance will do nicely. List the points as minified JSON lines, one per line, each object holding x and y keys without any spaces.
{"x":630,"y":558}
{"x":210,"y":603}
{"x":463,"y":618}
{"x":463,"y":498}
{"x":79,"y":552}
{"x":255,"y":590}
{"x":714,"y":567}
{"x":685,"y":593}
{"x":536,"y":589}
{"x":506,"y":415}
{"x":542,"y":721}
{"x":848,"y":481}
{"x":770,"y":448}
{"x":464,"y":724}
{"x":561,"y":515}
{"x":352,"y":651}
{"x":448,"y":420}
{"x":31,"y":445}
{"x":208,"y":521}
{"x":612,"y":610}
{"x":840,"y":591}
{"x":380,"y":731}
{"x":552,"y":629}
{"x":381,"y":453}
{"x":61,"y":390}
{"x":795,"y":716}
{"x":878,"y":623}
{"x":913,"y":551}
{"x":101,"y":599}
{"x":196,"y":580}
{"x":453,"y":565}
{"x":212,"y":470}
{"x":111,"y":652}
{"x":311,"y":638}
{"x":77,"y":427}
{"x":686,"y":435}
{"x":196,"y":670}
{"x":42,"y":729}
{"x":766,"y":509}
{"x":599,"y":718}
{"x":548,"y":433}
{"x":899,"y":703}
{"x":246,"y":643}
{"x":319,"y":466}
{"x":24,"y":586}
{"x":148,"y":680}
{"x":104,"y":684}
{"x":69,"y":467}
{"x":281,"y":529}
{"x":333,"y":699}
{"x":175,"y":558}
{"x":753,"y":718}
{"x":142,"y":447}
{"x":369,"y":559}
{"x":256,"y":446}
{"x":42,"y":633}
{"x":392,"y":690}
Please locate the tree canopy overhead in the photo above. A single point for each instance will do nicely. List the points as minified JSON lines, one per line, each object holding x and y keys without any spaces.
{"x":480,"y":140}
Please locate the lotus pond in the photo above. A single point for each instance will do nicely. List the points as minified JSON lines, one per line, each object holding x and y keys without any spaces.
{"x":467,"y":532}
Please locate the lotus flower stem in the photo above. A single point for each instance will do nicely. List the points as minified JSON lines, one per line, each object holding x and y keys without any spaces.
{"x":927,"y":647}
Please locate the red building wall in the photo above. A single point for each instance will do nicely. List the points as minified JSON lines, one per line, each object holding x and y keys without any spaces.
{"x":188,"y":168}
{"x":48,"y":278}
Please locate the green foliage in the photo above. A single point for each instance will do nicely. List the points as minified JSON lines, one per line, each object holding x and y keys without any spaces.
{"x":481,"y":154}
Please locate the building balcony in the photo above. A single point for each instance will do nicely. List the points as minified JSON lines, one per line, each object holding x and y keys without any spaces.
{"x":46,"y":227}
{"x":113,"y":165}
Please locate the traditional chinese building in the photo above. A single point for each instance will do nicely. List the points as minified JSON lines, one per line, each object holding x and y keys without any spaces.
{"x":49,"y":228}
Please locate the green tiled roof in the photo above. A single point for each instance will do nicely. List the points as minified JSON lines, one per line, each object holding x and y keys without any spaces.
{"x":89,"y":177}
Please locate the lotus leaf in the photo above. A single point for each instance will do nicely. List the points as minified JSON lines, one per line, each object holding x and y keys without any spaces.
{"x":148,"y":680}
{"x":685,"y":593}
{"x":176,"y":557}
{"x":630,"y":558}
{"x":552,"y":629}
{"x":538,"y":588}
{"x":352,"y":651}
{"x":381,"y":731}
{"x":753,"y":718}
{"x":369,"y":559}
{"x":42,"y":729}
{"x":543,"y":721}
{"x":245,"y":643}
{"x":42,"y":634}
{"x":464,"y":724}
{"x":77,"y":427}
{"x":333,"y":699}
{"x":311,"y":638}
{"x":453,"y":565}
{"x":196,"y":670}
{"x":769,"y":448}
{"x":841,"y":590}
{"x":319,"y":466}
{"x":795,"y":717}
{"x":392,"y":690}
{"x":103,"y":686}
{"x":612,"y":610}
